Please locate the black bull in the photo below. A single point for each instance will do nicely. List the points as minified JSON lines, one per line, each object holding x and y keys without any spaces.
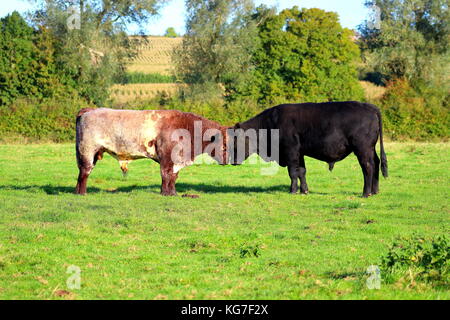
{"x":324,"y":131}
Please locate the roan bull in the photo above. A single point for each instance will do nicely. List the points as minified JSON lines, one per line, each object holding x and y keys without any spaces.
{"x":166,"y":136}
{"x":325,"y":131}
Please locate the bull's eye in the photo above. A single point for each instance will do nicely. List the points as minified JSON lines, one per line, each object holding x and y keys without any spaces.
{"x":213,"y":138}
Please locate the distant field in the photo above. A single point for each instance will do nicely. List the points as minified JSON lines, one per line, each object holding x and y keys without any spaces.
{"x":122,"y":93}
{"x":155,"y":58}
{"x":155,"y":55}
{"x":244,"y":238}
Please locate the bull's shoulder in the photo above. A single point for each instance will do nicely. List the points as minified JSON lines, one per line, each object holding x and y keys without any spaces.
{"x":83,"y":111}
{"x":354,"y":105}
{"x":187,"y":119}
{"x":332,"y":106}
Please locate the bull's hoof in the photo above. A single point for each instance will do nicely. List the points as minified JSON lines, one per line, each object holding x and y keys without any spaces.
{"x":305,"y":192}
{"x":169,"y":194}
{"x":192,"y":196}
{"x":367,"y":195}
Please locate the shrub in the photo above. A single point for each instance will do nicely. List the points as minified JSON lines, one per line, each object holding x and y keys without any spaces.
{"x":216,"y":109}
{"x":422,"y":259}
{"x":419,"y":112}
{"x":304,"y":55}
{"x":247,"y":250}
{"x":46,"y":120}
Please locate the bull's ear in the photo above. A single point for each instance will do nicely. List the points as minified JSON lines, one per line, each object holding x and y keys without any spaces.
{"x":237,"y":126}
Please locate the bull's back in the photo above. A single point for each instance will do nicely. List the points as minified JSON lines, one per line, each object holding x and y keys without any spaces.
{"x":125,"y":134}
{"x":321,"y":118}
{"x":328,"y":131}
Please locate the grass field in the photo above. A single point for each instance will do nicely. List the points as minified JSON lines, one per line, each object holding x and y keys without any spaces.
{"x":244,"y":238}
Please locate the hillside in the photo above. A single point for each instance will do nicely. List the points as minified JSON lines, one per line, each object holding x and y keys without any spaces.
{"x":154,"y":57}
{"x":154,"y":54}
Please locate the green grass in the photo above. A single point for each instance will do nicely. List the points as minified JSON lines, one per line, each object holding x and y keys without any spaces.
{"x":244,"y":238}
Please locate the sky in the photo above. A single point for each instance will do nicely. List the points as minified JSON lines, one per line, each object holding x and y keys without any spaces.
{"x":351,"y":12}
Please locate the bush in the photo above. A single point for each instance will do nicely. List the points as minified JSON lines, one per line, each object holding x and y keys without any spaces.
{"x":420,"y":258}
{"x":420,"y":112}
{"x":249,"y":250}
{"x":48,"y":120}
{"x":406,"y":115}
{"x":304,"y":55}
{"x":215,"y":108}
{"x":27,"y":66}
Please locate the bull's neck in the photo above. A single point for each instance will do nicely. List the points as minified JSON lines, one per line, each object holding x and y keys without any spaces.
{"x":253,"y":123}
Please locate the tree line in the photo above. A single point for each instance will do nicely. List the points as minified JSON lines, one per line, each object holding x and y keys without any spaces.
{"x":237,"y":60}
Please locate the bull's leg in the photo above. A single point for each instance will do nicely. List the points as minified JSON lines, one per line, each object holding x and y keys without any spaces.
{"x":291,"y":153}
{"x":172,"y":182}
{"x":376,"y":174}
{"x":169,"y":178}
{"x":85,"y":166}
{"x":367,"y":164}
{"x":302,"y":175}
{"x":81,"y":187}
{"x":86,"y":162}
{"x":294,"y":175}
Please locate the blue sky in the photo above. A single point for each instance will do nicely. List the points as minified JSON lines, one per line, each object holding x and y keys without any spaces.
{"x":351,"y":12}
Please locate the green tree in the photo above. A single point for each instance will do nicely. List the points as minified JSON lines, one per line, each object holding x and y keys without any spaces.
{"x":304,"y":55}
{"x":217,"y":47}
{"x":412,"y":40}
{"x":16,"y":58}
{"x":27,"y":66}
{"x":92,"y":46}
{"x":171,"y":33}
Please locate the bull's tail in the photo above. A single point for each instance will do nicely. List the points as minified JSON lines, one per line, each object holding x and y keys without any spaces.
{"x":384,"y":164}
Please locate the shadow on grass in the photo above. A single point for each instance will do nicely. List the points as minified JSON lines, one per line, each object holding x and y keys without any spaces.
{"x":181,"y":188}
{"x":346,"y":275}
{"x":207,"y":188}
{"x":48,"y":189}
{"x":154,"y":188}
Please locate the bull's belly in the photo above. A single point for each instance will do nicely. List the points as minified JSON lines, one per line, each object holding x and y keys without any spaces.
{"x":328,"y":151}
{"x":123,"y":155}
{"x":329,"y":158}
{"x":128,"y":150}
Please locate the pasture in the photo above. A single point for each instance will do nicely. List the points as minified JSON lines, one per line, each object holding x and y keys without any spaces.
{"x":245,"y":237}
